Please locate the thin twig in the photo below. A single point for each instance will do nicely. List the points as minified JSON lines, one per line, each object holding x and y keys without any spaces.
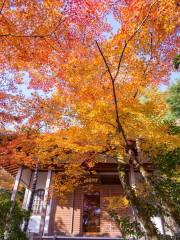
{"x":130,"y":38}
{"x":143,"y":22}
{"x":135,"y":94}
{"x":2,"y":6}
{"x":49,"y":44}
{"x":120,"y":60}
{"x":108,"y":123}
{"x":35,"y":35}
{"x":151,"y":46}
{"x":151,"y":54}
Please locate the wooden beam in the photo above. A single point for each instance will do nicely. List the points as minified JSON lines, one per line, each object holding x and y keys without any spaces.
{"x":11,"y":169}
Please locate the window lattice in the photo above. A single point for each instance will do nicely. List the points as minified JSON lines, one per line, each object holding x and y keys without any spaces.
{"x":38,"y":202}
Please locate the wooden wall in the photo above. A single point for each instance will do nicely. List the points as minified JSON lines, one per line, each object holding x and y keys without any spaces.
{"x":67,"y":218}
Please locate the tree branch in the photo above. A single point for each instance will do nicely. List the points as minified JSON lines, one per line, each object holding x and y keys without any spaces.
{"x":119,"y":126}
{"x":143,"y":22}
{"x":105,"y":61}
{"x":147,"y":65}
{"x":120,"y":60}
{"x":130,"y":38}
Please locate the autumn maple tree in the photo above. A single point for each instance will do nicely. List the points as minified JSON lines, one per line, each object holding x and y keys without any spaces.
{"x":106,"y":98}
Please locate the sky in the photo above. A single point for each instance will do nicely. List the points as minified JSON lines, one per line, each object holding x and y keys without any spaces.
{"x":114,"y":24}
{"x":173,"y":78}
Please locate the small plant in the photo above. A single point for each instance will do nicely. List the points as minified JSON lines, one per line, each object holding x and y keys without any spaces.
{"x":128,"y":227}
{"x":176,"y":61}
{"x":14,"y":221}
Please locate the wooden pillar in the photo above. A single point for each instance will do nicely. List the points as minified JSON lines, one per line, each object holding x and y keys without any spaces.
{"x":50,"y":215}
{"x":33,"y":189}
{"x":25,"y":198}
{"x":44,"y":207}
{"x":73,"y":203}
{"x":27,"y":193}
{"x":13,"y":199}
{"x":16,"y":184}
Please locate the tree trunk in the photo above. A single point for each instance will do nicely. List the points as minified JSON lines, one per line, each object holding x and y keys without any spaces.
{"x":33,"y":189}
{"x":151,"y":230}
{"x":166,"y":200}
{"x":150,"y":180}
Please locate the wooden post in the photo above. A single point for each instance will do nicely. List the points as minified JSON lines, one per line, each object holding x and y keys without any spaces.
{"x":33,"y":189}
{"x":44,"y":207}
{"x":50,"y":214}
{"x":73,"y":203}
{"x":27,"y":192}
{"x":16,"y":184}
{"x":13,"y":200}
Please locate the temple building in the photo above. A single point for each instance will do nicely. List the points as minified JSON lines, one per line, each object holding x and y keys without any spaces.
{"x":84,"y":214}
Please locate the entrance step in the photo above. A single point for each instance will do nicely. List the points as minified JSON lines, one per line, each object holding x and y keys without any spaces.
{"x":73,"y":238}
